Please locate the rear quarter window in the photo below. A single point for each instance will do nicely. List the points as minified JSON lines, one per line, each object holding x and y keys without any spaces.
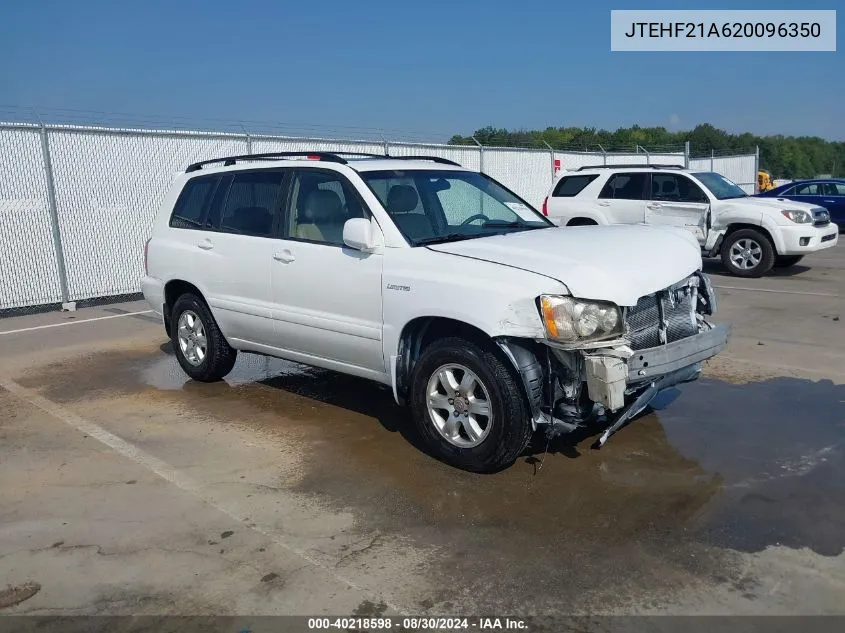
{"x":569,"y":186}
{"x":192,"y":204}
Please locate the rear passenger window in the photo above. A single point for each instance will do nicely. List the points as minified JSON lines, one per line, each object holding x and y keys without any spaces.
{"x":807,"y":190}
{"x":252,"y":204}
{"x":626,"y":187}
{"x":190,"y":208}
{"x":569,"y":186}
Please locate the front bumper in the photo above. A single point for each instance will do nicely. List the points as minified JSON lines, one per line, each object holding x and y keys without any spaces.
{"x":814,"y":238}
{"x":652,"y":375}
{"x":614,"y":374}
{"x":647,"y":364}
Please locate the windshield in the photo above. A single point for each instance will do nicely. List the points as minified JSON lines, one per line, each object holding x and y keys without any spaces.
{"x":719,"y":186}
{"x":430,"y":206}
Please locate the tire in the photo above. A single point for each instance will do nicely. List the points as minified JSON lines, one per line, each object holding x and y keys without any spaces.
{"x":505,"y":432}
{"x":217,"y":358}
{"x":785,"y":261}
{"x":748,"y":253}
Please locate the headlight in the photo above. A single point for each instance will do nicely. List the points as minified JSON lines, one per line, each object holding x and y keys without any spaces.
{"x":572,"y":320}
{"x":799,"y":217}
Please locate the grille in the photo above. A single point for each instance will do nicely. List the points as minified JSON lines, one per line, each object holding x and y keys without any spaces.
{"x":644,"y":319}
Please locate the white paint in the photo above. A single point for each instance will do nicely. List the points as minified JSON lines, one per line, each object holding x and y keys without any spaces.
{"x":102,"y":318}
{"x":689,"y":214}
{"x":169,"y":474}
{"x":613,"y":263}
{"x":783,"y":292}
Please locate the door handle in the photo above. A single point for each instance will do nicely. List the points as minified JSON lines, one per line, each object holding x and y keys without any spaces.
{"x":654,"y":205}
{"x":206,"y":244}
{"x":831,"y":201}
{"x":604,"y":203}
{"x":286,"y":257}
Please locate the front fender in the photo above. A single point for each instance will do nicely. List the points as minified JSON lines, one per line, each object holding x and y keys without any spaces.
{"x":775,"y":232}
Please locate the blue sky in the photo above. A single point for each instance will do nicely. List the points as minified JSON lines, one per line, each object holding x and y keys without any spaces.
{"x":416,"y":69}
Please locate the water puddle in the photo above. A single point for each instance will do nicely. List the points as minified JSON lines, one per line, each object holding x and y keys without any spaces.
{"x":742,"y":466}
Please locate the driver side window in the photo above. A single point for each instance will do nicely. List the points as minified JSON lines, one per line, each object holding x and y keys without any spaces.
{"x":463,"y":200}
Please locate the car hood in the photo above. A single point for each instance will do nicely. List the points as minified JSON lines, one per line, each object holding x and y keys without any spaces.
{"x":618,"y":263}
{"x":772,"y":205}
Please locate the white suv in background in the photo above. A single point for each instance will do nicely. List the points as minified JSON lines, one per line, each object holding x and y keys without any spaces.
{"x":481,"y":315}
{"x":750,"y":234}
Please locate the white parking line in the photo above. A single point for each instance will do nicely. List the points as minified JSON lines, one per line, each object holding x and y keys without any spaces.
{"x":783,"y":292}
{"x":42,"y":327}
{"x":173,"y":476}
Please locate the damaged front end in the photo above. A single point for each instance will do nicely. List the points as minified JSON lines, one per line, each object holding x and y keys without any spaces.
{"x":660,"y":343}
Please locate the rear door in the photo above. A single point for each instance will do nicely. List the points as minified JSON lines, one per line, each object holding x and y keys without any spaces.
{"x":623,"y":198}
{"x":678,"y":201}
{"x":235,"y":255}
{"x":833,"y":199}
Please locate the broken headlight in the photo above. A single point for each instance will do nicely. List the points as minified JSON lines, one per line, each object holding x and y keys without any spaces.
{"x":570,"y":320}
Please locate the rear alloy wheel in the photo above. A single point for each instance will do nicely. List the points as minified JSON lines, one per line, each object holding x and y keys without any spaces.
{"x":200,"y":346}
{"x":469,"y":407}
{"x":785,"y":261}
{"x":748,"y":253}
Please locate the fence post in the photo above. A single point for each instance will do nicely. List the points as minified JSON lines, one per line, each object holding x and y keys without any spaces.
{"x":552,"y":155}
{"x":712,"y":156}
{"x":386,"y":145}
{"x":686,"y":155}
{"x":481,"y":169}
{"x":248,"y":143}
{"x":756,"y":169}
{"x":54,"y":220}
{"x":480,"y":154}
{"x":603,"y":155}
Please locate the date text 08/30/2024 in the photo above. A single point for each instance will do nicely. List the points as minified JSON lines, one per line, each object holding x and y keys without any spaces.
{"x":417,"y":624}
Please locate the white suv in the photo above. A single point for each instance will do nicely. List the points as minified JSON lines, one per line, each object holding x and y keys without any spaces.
{"x":750,"y":234}
{"x":481,"y":315}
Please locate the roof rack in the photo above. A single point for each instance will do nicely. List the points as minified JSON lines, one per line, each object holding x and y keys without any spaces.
{"x":329,"y":157}
{"x":434,"y":159}
{"x":631,"y":166}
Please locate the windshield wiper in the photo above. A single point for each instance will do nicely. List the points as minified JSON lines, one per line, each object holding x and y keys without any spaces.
{"x":504,"y":224}
{"x":449,"y":237}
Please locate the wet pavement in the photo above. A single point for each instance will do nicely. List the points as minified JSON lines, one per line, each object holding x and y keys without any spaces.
{"x":732,"y":498}
{"x":676,"y":494}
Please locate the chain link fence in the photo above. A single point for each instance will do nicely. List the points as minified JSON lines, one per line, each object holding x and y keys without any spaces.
{"x":77,"y":202}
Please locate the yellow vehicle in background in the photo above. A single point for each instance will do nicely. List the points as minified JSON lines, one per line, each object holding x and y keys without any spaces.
{"x":764,"y":181}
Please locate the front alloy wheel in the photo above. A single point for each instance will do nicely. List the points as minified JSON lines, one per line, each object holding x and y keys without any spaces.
{"x":748,"y":253}
{"x":459,"y":405}
{"x":469,"y":405}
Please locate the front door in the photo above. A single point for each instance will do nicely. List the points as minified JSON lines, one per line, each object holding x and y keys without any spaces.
{"x":327,"y":297}
{"x":677,"y":201}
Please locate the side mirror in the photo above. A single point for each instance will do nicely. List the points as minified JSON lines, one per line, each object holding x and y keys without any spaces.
{"x":360,"y":234}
